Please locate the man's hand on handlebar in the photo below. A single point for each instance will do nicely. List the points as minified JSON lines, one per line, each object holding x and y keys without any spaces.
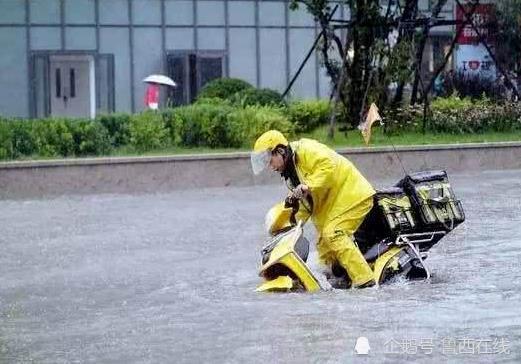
{"x":300,"y":192}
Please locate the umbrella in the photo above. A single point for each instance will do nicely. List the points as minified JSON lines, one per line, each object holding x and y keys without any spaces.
{"x":160,"y":79}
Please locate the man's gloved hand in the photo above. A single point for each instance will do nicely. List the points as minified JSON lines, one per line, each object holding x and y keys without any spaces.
{"x":300,"y":191}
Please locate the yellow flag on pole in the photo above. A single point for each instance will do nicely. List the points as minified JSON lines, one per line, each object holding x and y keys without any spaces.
{"x":371,"y":117}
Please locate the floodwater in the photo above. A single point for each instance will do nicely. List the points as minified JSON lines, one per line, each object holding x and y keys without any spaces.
{"x":171,"y":278}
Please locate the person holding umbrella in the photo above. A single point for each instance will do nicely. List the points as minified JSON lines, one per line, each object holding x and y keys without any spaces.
{"x":152,"y":93}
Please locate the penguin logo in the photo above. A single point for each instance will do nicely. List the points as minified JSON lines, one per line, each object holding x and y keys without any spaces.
{"x":362,"y":346}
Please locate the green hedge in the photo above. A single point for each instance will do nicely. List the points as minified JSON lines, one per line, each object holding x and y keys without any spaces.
{"x":201,"y":125}
{"x":118,"y":127}
{"x":223,"y":88}
{"x":224,"y":125}
{"x":464,"y":116}
{"x":148,"y":131}
{"x":217,"y":123}
{"x":456,"y":116}
{"x":6,"y":135}
{"x":248,"y":123}
{"x":306,"y":115}
{"x":255,"y":96}
{"x":206,"y":123}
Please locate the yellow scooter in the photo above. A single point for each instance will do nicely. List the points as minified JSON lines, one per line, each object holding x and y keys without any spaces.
{"x":394,"y":238}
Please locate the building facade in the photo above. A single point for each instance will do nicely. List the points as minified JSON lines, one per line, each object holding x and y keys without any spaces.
{"x":85,"y":57}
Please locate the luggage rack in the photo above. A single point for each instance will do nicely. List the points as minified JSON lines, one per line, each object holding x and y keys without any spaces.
{"x":414,"y":241}
{"x":419,"y":238}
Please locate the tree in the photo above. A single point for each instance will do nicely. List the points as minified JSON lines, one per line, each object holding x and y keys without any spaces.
{"x":378,"y":50}
{"x":383,"y":46}
{"x":509,"y":33}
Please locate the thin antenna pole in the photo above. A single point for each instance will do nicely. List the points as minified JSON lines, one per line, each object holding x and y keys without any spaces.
{"x":397,"y":156}
{"x":394,"y":149}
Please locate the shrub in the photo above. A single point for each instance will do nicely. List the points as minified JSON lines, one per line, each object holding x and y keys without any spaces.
{"x":457,"y":116}
{"x":90,"y":137}
{"x":118,"y":127}
{"x":477,"y":118}
{"x":250,"y":122}
{"x":451,"y":104}
{"x":22,"y":138}
{"x":215,"y":127}
{"x":6,"y":145}
{"x":186,"y":125}
{"x":212,"y":101}
{"x":255,"y":96}
{"x":308,"y":114}
{"x":169,"y":120}
{"x":52,"y":138}
{"x":203,"y":124}
{"x":147,"y":131}
{"x":223,"y":88}
{"x":403,"y":119}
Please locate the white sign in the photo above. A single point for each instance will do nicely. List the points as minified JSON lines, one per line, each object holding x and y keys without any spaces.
{"x":474,"y":60}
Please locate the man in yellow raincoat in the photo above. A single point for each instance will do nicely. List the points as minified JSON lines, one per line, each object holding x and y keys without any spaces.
{"x":338,"y":193}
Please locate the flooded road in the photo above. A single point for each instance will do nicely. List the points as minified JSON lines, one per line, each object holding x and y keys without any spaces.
{"x":171,"y":278}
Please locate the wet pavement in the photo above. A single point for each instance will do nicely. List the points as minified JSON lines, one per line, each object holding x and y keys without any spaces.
{"x":171,"y":278}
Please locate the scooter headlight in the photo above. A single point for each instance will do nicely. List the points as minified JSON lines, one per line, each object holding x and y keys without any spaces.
{"x":277,"y":218}
{"x":269,"y":220}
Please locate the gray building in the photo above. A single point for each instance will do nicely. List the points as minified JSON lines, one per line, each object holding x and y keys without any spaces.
{"x":84,"y":57}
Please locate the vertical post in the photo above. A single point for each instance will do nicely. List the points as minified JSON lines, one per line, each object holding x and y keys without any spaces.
{"x":226,"y":39}
{"x":131,"y":46}
{"x":163,"y":37}
{"x":62,"y":24}
{"x":286,"y":41}
{"x":257,"y":44}
{"x":31,"y":99}
{"x":96,"y":55}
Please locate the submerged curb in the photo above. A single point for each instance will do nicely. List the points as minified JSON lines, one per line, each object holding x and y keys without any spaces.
{"x":241,"y":155}
{"x":153,"y":174}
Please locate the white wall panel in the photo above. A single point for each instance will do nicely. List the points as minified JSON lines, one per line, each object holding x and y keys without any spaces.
{"x":179,"y":12}
{"x":179,"y":38}
{"x":241,"y":13}
{"x":146,"y":12}
{"x":210,"y":12}
{"x":80,"y":38}
{"x":273,"y":58}
{"x":12,"y":12}
{"x":242,"y":55}
{"x":14,"y":82}
{"x":116,"y":41}
{"x":45,"y":38}
{"x":271,"y":13}
{"x":45,"y":11}
{"x":147,"y":60}
{"x":113,"y":11}
{"x":79,"y":11}
{"x":211,"y":38}
{"x":300,"y":43}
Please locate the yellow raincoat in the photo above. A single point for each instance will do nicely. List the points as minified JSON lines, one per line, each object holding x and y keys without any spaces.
{"x":342,"y":197}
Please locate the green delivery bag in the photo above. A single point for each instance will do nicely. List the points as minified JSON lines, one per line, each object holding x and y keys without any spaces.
{"x":433,"y":199}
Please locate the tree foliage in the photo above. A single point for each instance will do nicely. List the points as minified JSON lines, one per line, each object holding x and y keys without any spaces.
{"x":380,"y":47}
{"x":509,"y":33}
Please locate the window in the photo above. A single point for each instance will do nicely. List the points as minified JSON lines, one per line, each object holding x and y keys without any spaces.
{"x":191,"y":70}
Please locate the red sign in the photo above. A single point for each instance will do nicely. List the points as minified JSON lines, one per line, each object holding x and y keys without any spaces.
{"x":484,"y":18}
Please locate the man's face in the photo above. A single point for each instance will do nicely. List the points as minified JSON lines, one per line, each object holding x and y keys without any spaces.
{"x":277,"y":162}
